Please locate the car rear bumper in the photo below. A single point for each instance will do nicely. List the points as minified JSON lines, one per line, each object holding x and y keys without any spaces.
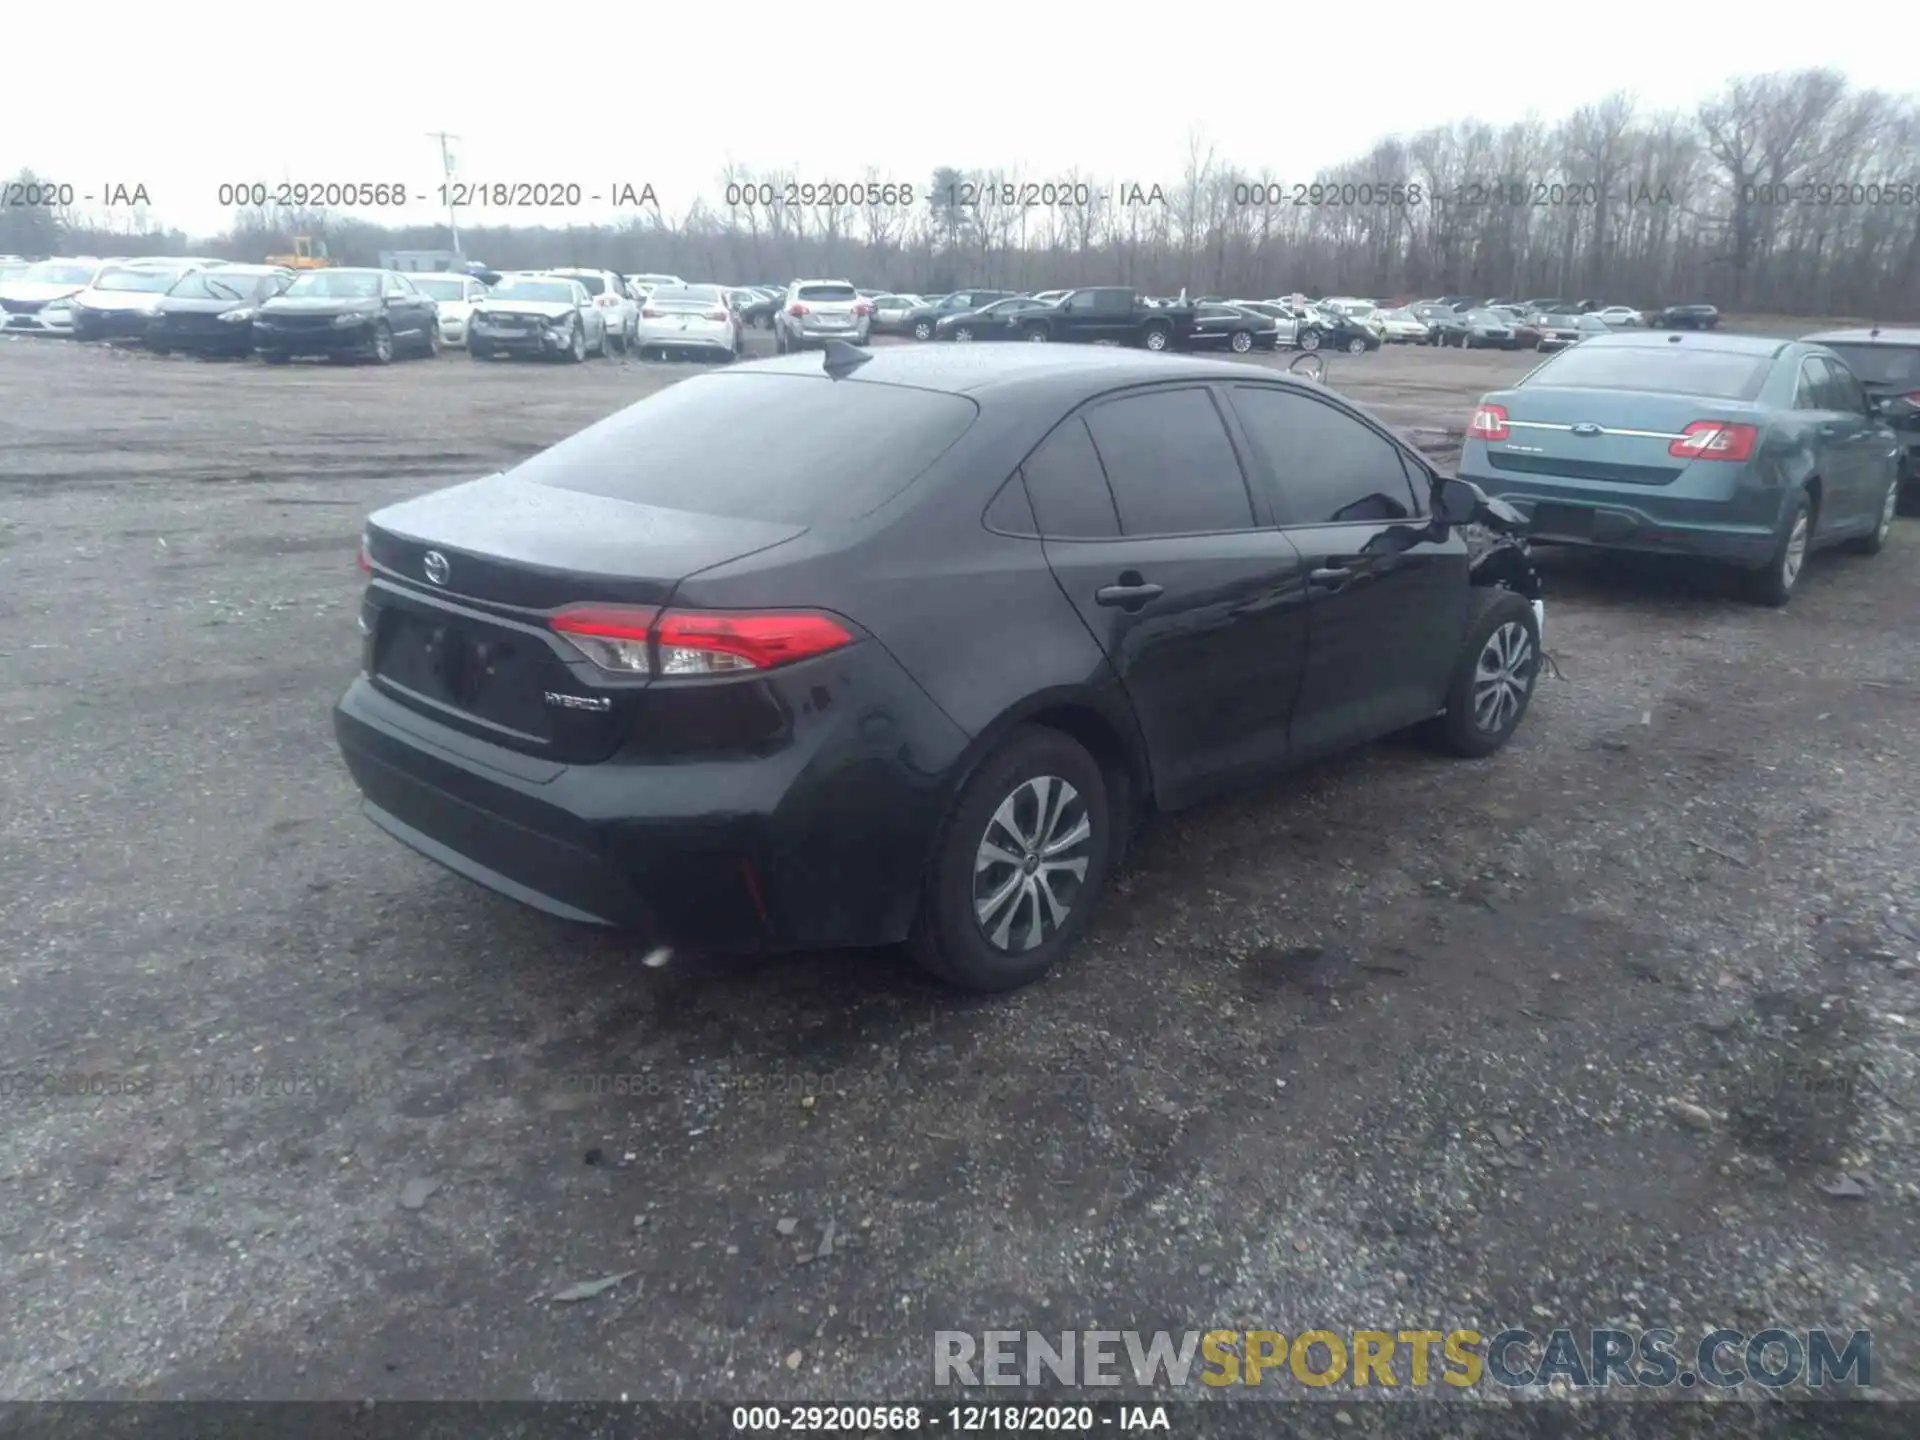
{"x":819,"y":844}
{"x":1611,"y":521}
{"x":654,"y":334}
{"x":798,"y":336}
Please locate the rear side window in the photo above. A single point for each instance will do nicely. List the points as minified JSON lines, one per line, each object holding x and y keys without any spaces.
{"x":1848,"y":396}
{"x":1666,"y":369}
{"x":1068,"y":489}
{"x":828,"y":293}
{"x":1170,"y":464}
{"x":1328,"y":468}
{"x":845,"y":448}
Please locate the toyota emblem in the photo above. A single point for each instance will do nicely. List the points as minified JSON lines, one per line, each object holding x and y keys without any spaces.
{"x":436,"y":567}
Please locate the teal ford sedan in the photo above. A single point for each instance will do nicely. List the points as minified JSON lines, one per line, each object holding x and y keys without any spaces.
{"x":1734,"y":448}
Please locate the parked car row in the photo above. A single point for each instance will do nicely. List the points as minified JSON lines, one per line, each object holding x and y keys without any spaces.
{"x":323,"y":311}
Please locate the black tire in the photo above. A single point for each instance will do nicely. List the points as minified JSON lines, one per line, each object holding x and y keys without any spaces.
{"x":576,"y":350}
{"x":1492,"y":646}
{"x":1909,"y":502}
{"x":1874,"y":541}
{"x":430,"y":346}
{"x":380,"y":350}
{"x":1774,"y":583}
{"x":948,"y":938}
{"x":923,"y":330}
{"x":1156,"y":338}
{"x":1356,"y":346}
{"x":1308,"y":340}
{"x":1036,"y":335}
{"x":1241,"y":342}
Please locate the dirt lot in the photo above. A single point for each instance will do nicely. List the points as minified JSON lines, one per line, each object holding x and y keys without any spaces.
{"x":1394,"y":1043}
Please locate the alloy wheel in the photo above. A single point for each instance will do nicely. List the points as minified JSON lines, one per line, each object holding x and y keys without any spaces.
{"x":1031,"y":863}
{"x":1501,"y":677}
{"x":1242,"y":342}
{"x":963,"y":334}
{"x":922,"y":330}
{"x":1795,"y":555}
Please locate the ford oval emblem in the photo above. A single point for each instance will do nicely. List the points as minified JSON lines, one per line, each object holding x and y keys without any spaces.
{"x":1585,"y":427}
{"x":435,"y":564}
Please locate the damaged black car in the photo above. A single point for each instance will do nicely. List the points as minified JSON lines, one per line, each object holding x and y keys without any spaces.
{"x":924,"y":689}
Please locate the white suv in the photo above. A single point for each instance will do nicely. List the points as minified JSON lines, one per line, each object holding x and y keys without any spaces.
{"x":816,"y":311}
{"x":612,"y":299}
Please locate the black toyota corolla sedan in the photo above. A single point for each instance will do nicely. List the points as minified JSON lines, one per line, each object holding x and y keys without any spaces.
{"x":914,"y":673}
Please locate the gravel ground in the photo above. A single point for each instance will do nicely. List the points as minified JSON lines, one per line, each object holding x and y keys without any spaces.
{"x":1575,"y":1035}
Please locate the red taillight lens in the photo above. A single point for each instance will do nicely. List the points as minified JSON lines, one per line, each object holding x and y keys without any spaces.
{"x":1714,"y":440}
{"x":366,"y":557}
{"x":650,"y":313}
{"x":718,"y":643}
{"x":1489,"y":423}
{"x":796,"y":310}
{"x":1912,"y":397}
{"x":618,"y":638}
{"x":863,"y":308}
{"x":614,"y":637}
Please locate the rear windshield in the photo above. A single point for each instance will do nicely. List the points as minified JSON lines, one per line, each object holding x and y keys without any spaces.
{"x":596,"y":284}
{"x":828,"y":292}
{"x":845,"y":448}
{"x":544,"y":291}
{"x":53,"y":272}
{"x":1882,"y":364}
{"x":440,"y":287}
{"x":1717,"y":374}
{"x":685,"y":295}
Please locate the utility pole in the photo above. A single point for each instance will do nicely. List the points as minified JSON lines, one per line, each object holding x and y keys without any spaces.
{"x":446,"y":187}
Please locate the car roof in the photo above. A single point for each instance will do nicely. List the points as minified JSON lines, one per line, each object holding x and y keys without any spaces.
{"x":572,"y":270}
{"x":1756,"y":345}
{"x":1884,"y":335}
{"x":980,"y":370}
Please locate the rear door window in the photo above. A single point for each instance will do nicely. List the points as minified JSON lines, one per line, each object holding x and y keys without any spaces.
{"x":701,"y":446}
{"x":1170,"y":464}
{"x":1846,"y":392}
{"x":1067,"y":487}
{"x":1328,"y":467}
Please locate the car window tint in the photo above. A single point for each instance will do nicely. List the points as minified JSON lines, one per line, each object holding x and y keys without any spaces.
{"x":1717,"y":374}
{"x":1807,"y":392}
{"x":1068,"y":488}
{"x":1846,"y":391}
{"x":1170,"y":464}
{"x":701,"y":446}
{"x":1011,"y":513}
{"x":1327,"y":466}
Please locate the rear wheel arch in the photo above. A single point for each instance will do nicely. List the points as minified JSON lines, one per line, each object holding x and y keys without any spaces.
{"x":1114,"y":742}
{"x":1816,"y":493}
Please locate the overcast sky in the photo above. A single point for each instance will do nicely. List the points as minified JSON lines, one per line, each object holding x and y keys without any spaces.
{"x":602,"y":95}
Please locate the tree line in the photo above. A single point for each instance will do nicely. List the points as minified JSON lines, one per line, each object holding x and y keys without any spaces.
{"x":1789,"y":193}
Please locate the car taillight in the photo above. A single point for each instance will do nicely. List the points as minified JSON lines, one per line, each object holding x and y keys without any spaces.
{"x":796,"y":310}
{"x":718,"y":643}
{"x":618,"y":638}
{"x":863,"y":308}
{"x":1912,"y":397}
{"x":1489,"y":423}
{"x":720,"y":314}
{"x":649,"y":313}
{"x":1714,"y":440}
{"x":366,"y":557}
{"x":607,"y":302}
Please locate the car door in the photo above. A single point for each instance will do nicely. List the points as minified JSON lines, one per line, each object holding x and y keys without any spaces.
{"x":1860,"y":437}
{"x":1815,"y":397}
{"x":1212,"y":324}
{"x":1387,"y":589}
{"x":403,"y":314}
{"x":1199,"y":603}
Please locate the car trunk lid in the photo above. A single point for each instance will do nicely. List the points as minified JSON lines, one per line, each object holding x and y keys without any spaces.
{"x":465,"y":584}
{"x":1606,"y":436}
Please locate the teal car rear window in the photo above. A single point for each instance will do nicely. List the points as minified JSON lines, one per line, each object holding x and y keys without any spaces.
{"x":1666,"y":370}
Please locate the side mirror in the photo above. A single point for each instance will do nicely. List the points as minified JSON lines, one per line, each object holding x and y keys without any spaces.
{"x":1458,"y":502}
